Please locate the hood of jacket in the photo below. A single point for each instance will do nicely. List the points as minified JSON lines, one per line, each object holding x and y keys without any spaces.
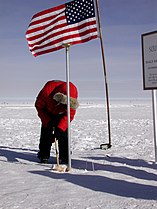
{"x":60,"y":95}
{"x":63,"y":99}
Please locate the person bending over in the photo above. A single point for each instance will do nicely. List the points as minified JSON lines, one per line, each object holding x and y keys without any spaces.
{"x":51,"y":105}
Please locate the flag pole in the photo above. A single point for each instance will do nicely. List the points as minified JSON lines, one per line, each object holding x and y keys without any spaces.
{"x":104,"y":146}
{"x":67,"y":46}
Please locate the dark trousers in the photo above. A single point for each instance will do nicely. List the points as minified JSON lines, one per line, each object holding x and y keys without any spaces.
{"x":46,"y":140}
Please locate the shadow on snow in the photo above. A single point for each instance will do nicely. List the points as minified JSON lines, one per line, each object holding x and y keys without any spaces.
{"x":91,"y":180}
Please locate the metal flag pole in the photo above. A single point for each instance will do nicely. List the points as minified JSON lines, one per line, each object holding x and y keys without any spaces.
{"x":108,"y":145}
{"x":154,"y":121}
{"x":67,"y":46}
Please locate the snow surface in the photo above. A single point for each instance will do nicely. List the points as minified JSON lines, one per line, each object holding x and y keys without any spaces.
{"x":123,"y":177}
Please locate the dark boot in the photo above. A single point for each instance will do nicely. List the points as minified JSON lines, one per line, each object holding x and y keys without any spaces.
{"x":43,"y":159}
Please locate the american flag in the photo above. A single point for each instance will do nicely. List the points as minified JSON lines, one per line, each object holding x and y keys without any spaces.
{"x":70,"y":23}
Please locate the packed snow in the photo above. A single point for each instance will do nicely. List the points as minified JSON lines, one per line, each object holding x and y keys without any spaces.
{"x":122,"y":177}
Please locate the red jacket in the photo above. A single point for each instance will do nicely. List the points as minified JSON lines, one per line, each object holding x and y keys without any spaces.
{"x":51,"y":101}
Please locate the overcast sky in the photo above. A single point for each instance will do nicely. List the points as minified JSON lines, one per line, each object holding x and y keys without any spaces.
{"x":123,"y":22}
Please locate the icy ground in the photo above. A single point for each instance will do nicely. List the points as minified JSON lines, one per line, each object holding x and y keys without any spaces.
{"x":123,"y":177}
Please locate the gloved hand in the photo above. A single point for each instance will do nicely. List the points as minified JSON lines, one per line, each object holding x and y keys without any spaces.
{"x":51,"y":131}
{"x":59,"y":134}
{"x":50,"y":124}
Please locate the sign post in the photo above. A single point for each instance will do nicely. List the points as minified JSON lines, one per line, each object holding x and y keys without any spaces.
{"x":154,"y":121}
{"x":149,"y":61}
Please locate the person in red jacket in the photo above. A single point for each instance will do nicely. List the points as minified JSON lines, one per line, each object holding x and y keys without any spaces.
{"x":51,"y":105}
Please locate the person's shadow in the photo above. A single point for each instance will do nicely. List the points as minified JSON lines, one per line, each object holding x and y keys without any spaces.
{"x":14,"y":154}
{"x":92,"y":180}
{"x":105,"y":184}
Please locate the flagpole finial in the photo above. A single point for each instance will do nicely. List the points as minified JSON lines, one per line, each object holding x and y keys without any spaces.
{"x":67,"y":45}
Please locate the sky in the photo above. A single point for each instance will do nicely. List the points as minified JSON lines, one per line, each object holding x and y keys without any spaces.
{"x":122,"y":21}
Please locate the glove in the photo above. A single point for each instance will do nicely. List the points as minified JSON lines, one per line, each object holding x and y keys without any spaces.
{"x":51,"y":130}
{"x":53,"y":122}
{"x":59,"y":134}
{"x":50,"y":124}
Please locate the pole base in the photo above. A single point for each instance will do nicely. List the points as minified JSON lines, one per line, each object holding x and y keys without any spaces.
{"x":105,"y":146}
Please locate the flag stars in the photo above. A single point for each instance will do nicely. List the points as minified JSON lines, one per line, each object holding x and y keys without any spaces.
{"x":77,"y":11}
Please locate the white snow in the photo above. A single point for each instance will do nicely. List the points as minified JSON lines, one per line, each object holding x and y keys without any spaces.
{"x":123,"y":177}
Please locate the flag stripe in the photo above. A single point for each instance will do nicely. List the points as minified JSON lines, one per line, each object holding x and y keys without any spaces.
{"x":47,"y":13}
{"x":53,"y":33}
{"x":58,"y":46}
{"x":42,"y":26}
{"x":37,"y":36}
{"x":50,"y":29}
{"x":60,"y":38}
{"x":39,"y":31}
{"x":69,"y":39}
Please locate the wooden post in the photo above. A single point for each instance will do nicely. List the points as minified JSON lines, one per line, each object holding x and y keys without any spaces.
{"x":104,"y":146}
